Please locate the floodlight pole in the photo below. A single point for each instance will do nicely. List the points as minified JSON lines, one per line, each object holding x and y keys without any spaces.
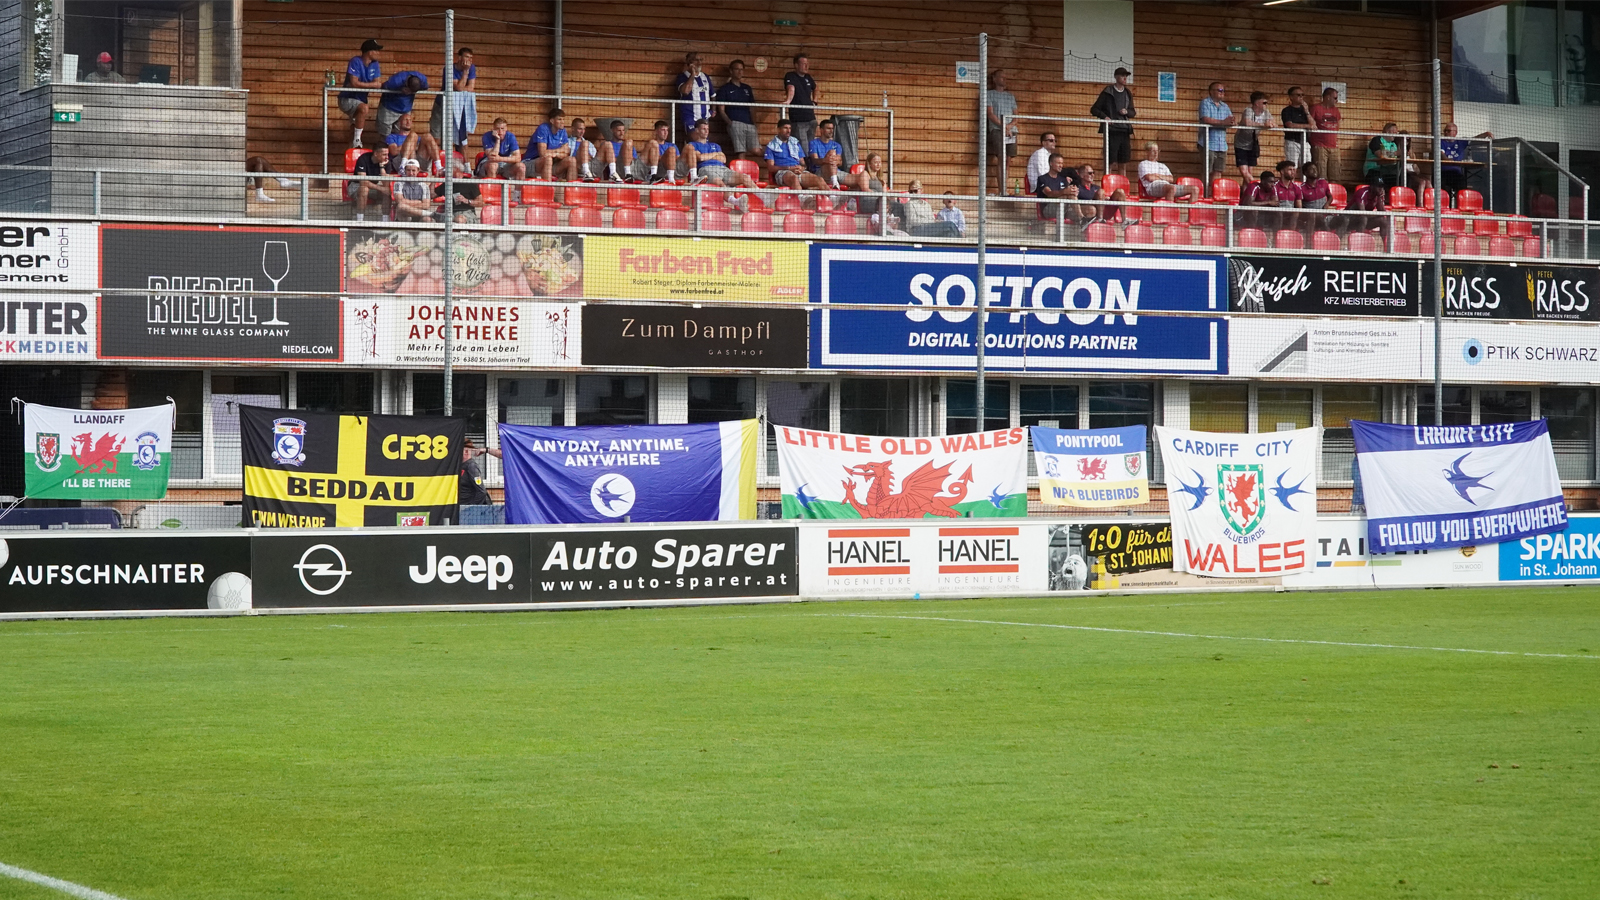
{"x":983,"y":220}
{"x":449,"y":150}
{"x":1438,"y":248}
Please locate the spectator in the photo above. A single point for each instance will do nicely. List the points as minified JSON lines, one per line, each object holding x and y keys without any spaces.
{"x":373,"y":171}
{"x":1155,"y":179}
{"x":1115,"y":104}
{"x":1261,"y":194}
{"x":1370,"y":196}
{"x":1039,"y":162}
{"x":786,"y":161}
{"x":1295,"y":147}
{"x":870,"y":180}
{"x":105,"y":73}
{"x":405,"y":142}
{"x":617,"y":154}
{"x":732,"y":105}
{"x":694,"y":85}
{"x":705,"y":161}
{"x":552,"y":152}
{"x":1289,"y":193}
{"x":400,"y":94}
{"x":1247,"y":140}
{"x":660,"y":160}
{"x":1214,"y":140}
{"x":583,"y":152}
{"x":1000,"y":105}
{"x":800,"y":95}
{"x":824,"y":155}
{"x":411,"y":202}
{"x":463,"y":104}
{"x":1055,"y":184}
{"x":920,"y":219}
{"x":952,"y":213}
{"x":1315,"y":195}
{"x":467,"y":199}
{"x":1325,"y":140}
{"x":502,"y":155}
{"x":1088,"y":189}
{"x":1383,"y":155}
{"x":1454,"y":177}
{"x":261,"y":164}
{"x":362,"y":72}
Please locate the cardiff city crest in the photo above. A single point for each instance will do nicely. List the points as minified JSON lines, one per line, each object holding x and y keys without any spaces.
{"x":47,"y":452}
{"x":1133,"y":462}
{"x":289,"y":441}
{"x":1242,"y":494}
{"x":145,"y":456}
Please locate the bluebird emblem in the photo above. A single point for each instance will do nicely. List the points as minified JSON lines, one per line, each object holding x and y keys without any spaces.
{"x":1463,"y":482}
{"x":1199,"y":491}
{"x":1284,"y":492}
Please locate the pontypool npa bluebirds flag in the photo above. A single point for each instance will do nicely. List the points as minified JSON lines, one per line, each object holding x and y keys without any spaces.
{"x":1242,"y":505}
{"x":1102,"y":467}
{"x":638,"y":473}
{"x":1431,"y":486}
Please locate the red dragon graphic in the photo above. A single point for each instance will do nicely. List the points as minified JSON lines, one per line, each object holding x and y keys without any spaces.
{"x":1092,"y":468}
{"x":1241,"y":490}
{"x":919,"y":492}
{"x":94,"y":456}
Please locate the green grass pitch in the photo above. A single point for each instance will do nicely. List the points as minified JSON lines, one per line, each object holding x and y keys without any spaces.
{"x":849,"y":750}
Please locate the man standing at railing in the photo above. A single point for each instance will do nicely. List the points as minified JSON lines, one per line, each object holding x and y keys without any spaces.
{"x":1000,"y":106}
{"x":362,"y":72}
{"x":400,"y":95}
{"x":1298,"y":112}
{"x":732,"y":98}
{"x":1114,"y":107}
{"x":694,"y":85}
{"x":801,"y":96}
{"x":463,"y":106}
{"x":1214,"y":139}
{"x":1325,"y":140}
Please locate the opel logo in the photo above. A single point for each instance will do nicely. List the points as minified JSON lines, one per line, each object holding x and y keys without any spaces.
{"x":312,"y":565}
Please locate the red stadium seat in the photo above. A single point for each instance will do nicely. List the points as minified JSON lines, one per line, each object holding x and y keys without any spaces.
{"x":1519,"y":226}
{"x":717,"y":220}
{"x":538,"y":193}
{"x":756,"y":221}
{"x":1469,"y":200}
{"x":1176,"y":236}
{"x":576,"y":195}
{"x":621,"y":197}
{"x":1225,"y":190}
{"x":1402,"y":198}
{"x":787,"y":202}
{"x":1288,"y":239}
{"x":1165,"y":213}
{"x":748,"y":167}
{"x":1196,"y":183}
{"x":540,"y":216}
{"x":490,"y":191}
{"x":824,"y":203}
{"x":628,"y":217}
{"x":1467,"y":245}
{"x":1419,"y":225}
{"x":1325,"y":240}
{"x":1398,"y":243}
{"x":1425,"y":244}
{"x":1501,"y":246}
{"x":1139,"y":234}
{"x":1338,"y":197}
{"x":1252,"y":237}
{"x":1112,"y":183}
{"x":1100,"y":233}
{"x":1363,"y":242}
{"x":1532,"y":247}
{"x":1427,"y":199}
{"x":799,"y":223}
{"x":666,"y":198}
{"x":840,"y":223}
{"x":1203,"y":213}
{"x":584,"y":217}
{"x":1452,"y":225}
{"x":490,"y":214}
{"x":1214,"y":236}
{"x":670,"y":220}
{"x":1485,"y":223}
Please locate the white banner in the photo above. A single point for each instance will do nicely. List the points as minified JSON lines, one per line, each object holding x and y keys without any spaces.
{"x":404,"y":331}
{"x":1501,"y":352}
{"x":1243,"y":505}
{"x":1345,"y":559}
{"x":48,"y":327}
{"x":49,"y":256}
{"x":1364,"y":349}
{"x":908,"y":559}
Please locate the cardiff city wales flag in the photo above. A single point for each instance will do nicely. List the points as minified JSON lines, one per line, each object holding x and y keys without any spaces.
{"x":1457,"y":485}
{"x":646,"y":473}
{"x":323,"y":470}
{"x":1243,"y":505}
{"x":856,"y":476}
{"x":97,"y":454}
{"x":1098,"y":467}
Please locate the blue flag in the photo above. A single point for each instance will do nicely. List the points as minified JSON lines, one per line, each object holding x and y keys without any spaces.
{"x":647,"y":473}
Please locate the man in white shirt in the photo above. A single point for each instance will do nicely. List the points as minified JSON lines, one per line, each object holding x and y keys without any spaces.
{"x":1155,"y":179}
{"x":1039,"y":162}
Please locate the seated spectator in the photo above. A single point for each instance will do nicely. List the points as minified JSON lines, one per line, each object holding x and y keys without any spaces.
{"x":583,"y":151}
{"x":373,"y":172}
{"x":1055,"y":184}
{"x":1370,"y":196}
{"x":616,"y":155}
{"x":704,"y":161}
{"x":407,"y":143}
{"x":1289,"y":193}
{"x":261,"y":164}
{"x":920,"y":219}
{"x":659,"y":161}
{"x":952,"y":213}
{"x":1247,"y":139}
{"x":1088,"y":189}
{"x":869,"y":180}
{"x":502,"y":155}
{"x":411,"y":198}
{"x":1315,"y":195}
{"x":1259,"y":194}
{"x":465,"y":202}
{"x":825,"y":155}
{"x":786,"y":161}
{"x":104,"y":72}
{"x":552,"y":150}
{"x":1383,"y":155}
{"x":1156,"y":181}
{"x":363,"y":71}
{"x":1454,"y":177}
{"x":1039,"y":162}
{"x":400,"y":95}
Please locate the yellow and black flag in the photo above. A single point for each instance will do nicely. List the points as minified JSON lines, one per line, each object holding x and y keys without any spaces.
{"x":321,"y":470}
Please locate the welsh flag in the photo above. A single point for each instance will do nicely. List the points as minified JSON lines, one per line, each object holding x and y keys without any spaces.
{"x":827,"y":475}
{"x":99,"y":454}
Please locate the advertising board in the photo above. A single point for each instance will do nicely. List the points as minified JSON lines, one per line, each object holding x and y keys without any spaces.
{"x":1569,"y":555}
{"x":1316,"y":286}
{"x":426,"y":567}
{"x":1517,"y":291}
{"x":48,"y":327}
{"x":407,"y":262}
{"x":1502,"y":352}
{"x":409,"y":331}
{"x":657,"y":563}
{"x":701,"y":338}
{"x":630,"y":267}
{"x":49,"y":256}
{"x":1331,"y":348}
{"x":1343,"y":558}
{"x":904,"y":558}
{"x":60,"y":573}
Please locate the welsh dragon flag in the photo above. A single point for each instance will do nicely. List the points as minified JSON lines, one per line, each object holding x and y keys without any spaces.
{"x":856,"y":476}
{"x":97,"y":454}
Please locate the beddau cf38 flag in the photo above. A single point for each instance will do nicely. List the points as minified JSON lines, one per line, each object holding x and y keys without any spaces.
{"x":855,"y":476}
{"x":1093,"y":468}
{"x":321,"y":470}
{"x":646,"y":473}
{"x":1457,"y":485}
{"x":102,"y":454}
{"x":1243,"y":505}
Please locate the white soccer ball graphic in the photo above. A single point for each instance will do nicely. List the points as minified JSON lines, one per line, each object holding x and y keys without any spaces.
{"x":230,"y":590}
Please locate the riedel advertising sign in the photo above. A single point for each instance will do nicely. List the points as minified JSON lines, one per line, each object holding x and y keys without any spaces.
{"x":1049,"y":311}
{"x":49,"y":256}
{"x":1363,"y":287}
{"x":1518,"y":291}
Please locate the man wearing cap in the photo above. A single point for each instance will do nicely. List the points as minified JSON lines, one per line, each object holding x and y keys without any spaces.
{"x":103,"y":72}
{"x":362,"y":72}
{"x":1114,"y":107}
{"x":411,"y":202}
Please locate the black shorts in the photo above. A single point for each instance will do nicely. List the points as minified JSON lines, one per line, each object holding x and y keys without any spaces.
{"x":1243,"y":157}
{"x":997,"y":147}
{"x":1119,"y":146}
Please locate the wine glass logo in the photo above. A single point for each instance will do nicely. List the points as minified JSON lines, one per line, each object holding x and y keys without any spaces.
{"x":275,"y":265}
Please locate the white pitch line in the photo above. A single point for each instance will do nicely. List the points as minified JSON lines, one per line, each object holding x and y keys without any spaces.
{"x":1217,"y":637}
{"x":65,"y":887}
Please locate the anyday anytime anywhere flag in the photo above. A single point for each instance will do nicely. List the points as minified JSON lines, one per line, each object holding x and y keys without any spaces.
{"x":1094,"y":468}
{"x":97,"y":454}
{"x":857,"y":476}
{"x":1431,"y":486}
{"x":647,"y":473}
{"x":324,"y":470}
{"x":1242,"y":505}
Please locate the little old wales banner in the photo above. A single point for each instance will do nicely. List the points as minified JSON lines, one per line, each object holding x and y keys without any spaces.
{"x":855,"y":476}
{"x":109,"y":454}
{"x":1243,"y":505}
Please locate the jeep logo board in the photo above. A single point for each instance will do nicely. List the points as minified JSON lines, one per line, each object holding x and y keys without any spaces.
{"x":431,"y":568}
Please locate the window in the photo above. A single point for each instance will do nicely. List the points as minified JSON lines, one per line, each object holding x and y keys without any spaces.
{"x":1340,"y":404}
{"x":879,"y":406}
{"x":1570,"y":411}
{"x":189,"y":42}
{"x":613,"y":400}
{"x":38,"y":38}
{"x":1497,"y":406}
{"x":961,"y":416}
{"x":532,"y":401}
{"x":1283,"y":408}
{"x":335,"y":392}
{"x":470,"y":400}
{"x":1215,"y":406}
{"x":1121,"y":404}
{"x":721,"y":399}
{"x":1050,"y":405}
{"x":797,"y":404}
{"x":152,"y":387}
{"x":1457,"y":405}
{"x":50,"y":385}
{"x":229,"y":391}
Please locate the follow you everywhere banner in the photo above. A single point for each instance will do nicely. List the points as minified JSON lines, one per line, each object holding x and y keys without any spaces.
{"x":1049,"y":311}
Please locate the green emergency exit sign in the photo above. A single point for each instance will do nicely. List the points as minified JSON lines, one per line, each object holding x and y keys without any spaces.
{"x":69,"y":116}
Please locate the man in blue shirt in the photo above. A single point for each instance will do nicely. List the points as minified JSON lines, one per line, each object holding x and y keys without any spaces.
{"x":502,"y":155}
{"x":552,"y":151}
{"x":824,"y":155}
{"x":616,"y":154}
{"x":705,"y":161}
{"x":362,"y":72}
{"x":405,"y":142}
{"x":1214,"y":140}
{"x":694,"y":85}
{"x":731,"y":99}
{"x":786,"y":162}
{"x":1457,"y":151}
{"x":400,"y":94}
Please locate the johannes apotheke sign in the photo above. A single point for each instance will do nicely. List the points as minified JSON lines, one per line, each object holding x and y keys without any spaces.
{"x":434,"y":566}
{"x":679,"y":336}
{"x":664,"y":563}
{"x":1518,"y":291}
{"x":1360,"y":287}
{"x":166,"y":311}
{"x":57,"y":574}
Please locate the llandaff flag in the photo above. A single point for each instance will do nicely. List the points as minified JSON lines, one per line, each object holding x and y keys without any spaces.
{"x":856,"y":476}
{"x":323,"y":470}
{"x":1093,"y":468}
{"x":648,"y":473}
{"x":1243,"y":505}
{"x":103,"y":454}
{"x":1431,"y":486}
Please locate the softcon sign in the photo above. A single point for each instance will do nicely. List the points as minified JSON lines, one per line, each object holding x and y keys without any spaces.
{"x":111,"y":572}
{"x":1362,"y":287}
{"x":1049,"y":312}
{"x":700,"y":338}
{"x":48,"y":256}
{"x":205,"y":293}
{"x":428,"y":567}
{"x":1518,"y":291}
